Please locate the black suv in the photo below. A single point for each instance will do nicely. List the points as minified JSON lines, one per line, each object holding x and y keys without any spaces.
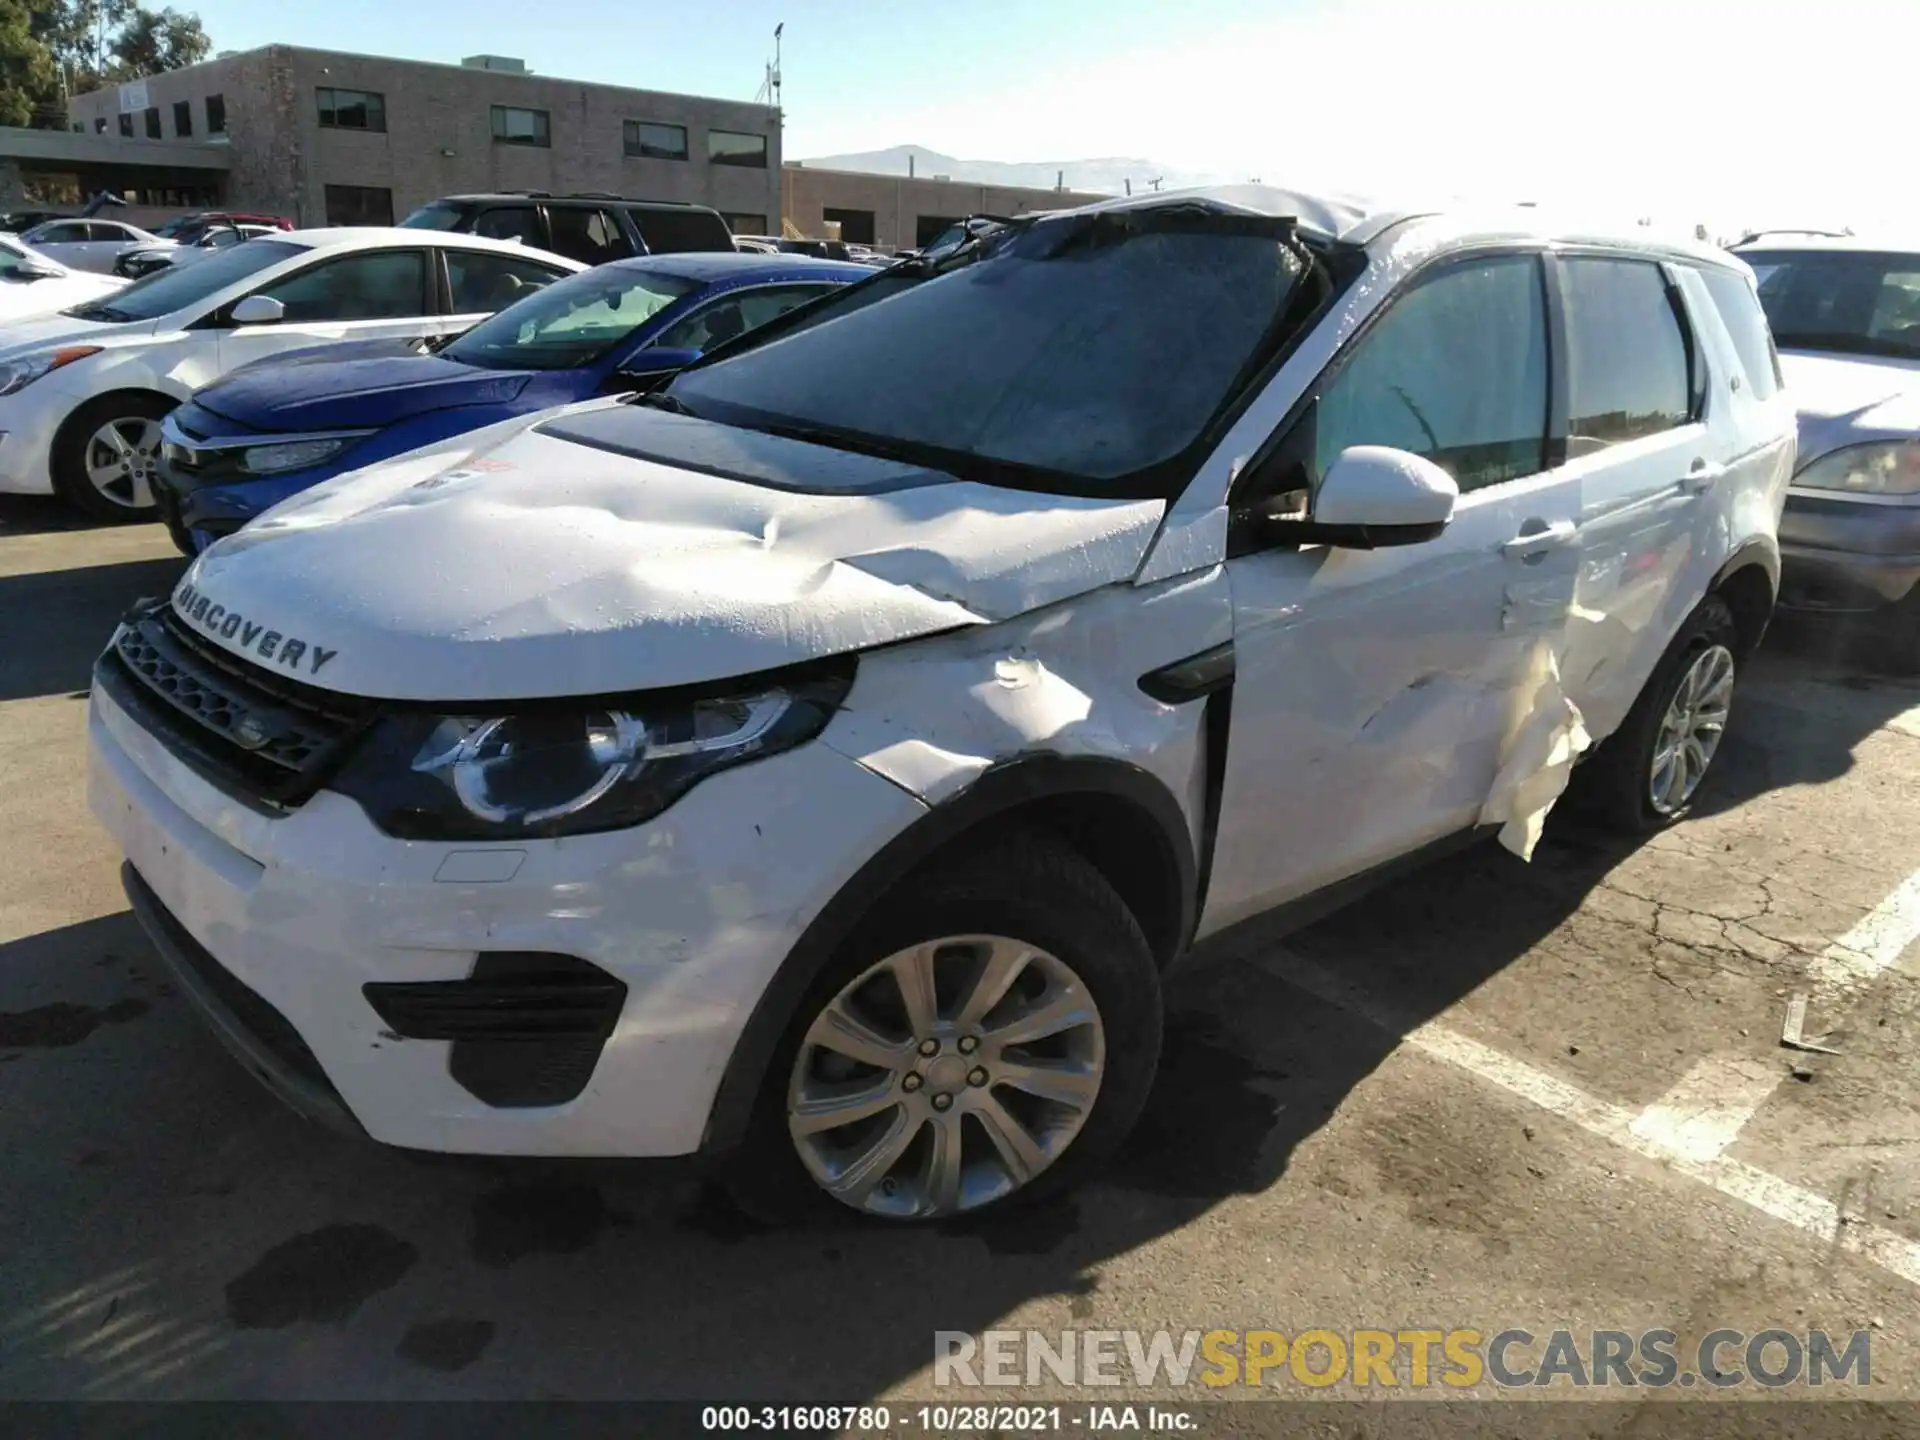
{"x":590,"y":228}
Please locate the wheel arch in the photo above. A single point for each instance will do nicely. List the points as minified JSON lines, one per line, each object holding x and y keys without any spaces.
{"x":64,"y":432}
{"x":1120,"y":817}
{"x":1749,"y":583}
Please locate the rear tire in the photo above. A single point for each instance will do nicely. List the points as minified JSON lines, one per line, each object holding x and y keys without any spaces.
{"x":1621,"y":786}
{"x":933,"y":1142}
{"x":111,"y":481}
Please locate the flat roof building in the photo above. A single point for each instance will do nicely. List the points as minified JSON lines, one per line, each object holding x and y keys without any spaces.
{"x":901,"y":212}
{"x":328,"y":138}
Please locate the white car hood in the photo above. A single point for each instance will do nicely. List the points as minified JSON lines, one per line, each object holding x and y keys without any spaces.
{"x":47,"y":332}
{"x":531,"y":565}
{"x":1846,"y":399}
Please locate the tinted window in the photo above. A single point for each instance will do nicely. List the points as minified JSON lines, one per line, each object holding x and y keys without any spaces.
{"x":126,"y":125}
{"x":68,"y":234}
{"x":379,"y":285}
{"x":1077,"y":347}
{"x":183,"y":117}
{"x":671,"y":232}
{"x":732,"y":147}
{"x":1740,"y":310}
{"x":118,"y":234}
{"x":1456,"y":371}
{"x":1627,"y":373}
{"x":359,"y":205}
{"x":352,"y":109}
{"x":178,"y":286}
{"x":733,"y":315}
{"x":1851,"y":302}
{"x":651,"y":141}
{"x":216,"y":114}
{"x":486,"y":283}
{"x":153,"y":122}
{"x":509,"y":222}
{"x":437,"y":216}
{"x":590,"y":236}
{"x":571,"y":322}
{"x":514,"y":126}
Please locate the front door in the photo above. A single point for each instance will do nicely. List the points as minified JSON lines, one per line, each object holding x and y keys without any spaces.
{"x":1378,"y":693}
{"x":373,"y":295}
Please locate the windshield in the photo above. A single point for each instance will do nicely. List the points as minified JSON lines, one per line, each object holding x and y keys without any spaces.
{"x":1853,"y":302}
{"x":437,"y":216}
{"x":572,"y":322}
{"x":179,"y":286}
{"x":1086,"y":350}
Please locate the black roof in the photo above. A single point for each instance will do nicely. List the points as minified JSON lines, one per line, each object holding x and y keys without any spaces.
{"x":577,"y":195}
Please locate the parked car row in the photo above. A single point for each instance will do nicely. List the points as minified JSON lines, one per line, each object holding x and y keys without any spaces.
{"x":792,"y":713}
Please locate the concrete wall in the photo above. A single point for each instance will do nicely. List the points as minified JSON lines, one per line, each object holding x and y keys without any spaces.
{"x":439,"y":139}
{"x":898,"y":203}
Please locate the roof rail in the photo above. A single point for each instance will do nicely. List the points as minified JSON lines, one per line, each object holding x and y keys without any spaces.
{"x":1753,"y":235}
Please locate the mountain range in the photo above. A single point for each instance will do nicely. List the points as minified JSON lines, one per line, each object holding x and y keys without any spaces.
{"x":1107,"y":175}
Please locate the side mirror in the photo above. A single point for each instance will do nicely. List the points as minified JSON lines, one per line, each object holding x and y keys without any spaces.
{"x":646,"y":368}
{"x":1371,"y":496}
{"x":259,"y":310}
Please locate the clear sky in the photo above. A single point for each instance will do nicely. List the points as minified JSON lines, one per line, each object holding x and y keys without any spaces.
{"x":1789,"y":112}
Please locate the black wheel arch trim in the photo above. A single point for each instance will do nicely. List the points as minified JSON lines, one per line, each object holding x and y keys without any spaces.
{"x":997,"y":794}
{"x":1760,"y":551}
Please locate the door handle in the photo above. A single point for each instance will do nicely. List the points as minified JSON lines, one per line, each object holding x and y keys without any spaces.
{"x":1702,"y":476}
{"x":1538,"y":542}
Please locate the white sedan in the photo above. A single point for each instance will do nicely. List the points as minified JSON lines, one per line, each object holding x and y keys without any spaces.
{"x":36,"y":284}
{"x":90,"y":244}
{"x":145,"y":259}
{"x":82,"y":393}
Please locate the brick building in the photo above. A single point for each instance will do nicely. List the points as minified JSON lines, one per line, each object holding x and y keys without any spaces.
{"x":324,"y":137}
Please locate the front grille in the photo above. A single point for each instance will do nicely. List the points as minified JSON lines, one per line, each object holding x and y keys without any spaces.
{"x":258,"y":736}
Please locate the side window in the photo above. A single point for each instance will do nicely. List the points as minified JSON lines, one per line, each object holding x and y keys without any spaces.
{"x":510,"y":222}
{"x":379,"y":285}
{"x":1627,"y":357}
{"x":1896,"y":308}
{"x":63,"y":234}
{"x":115,"y":234}
{"x":592,"y":237}
{"x":1746,"y":322}
{"x":1455,"y":371}
{"x":486,"y":283}
{"x":733,"y":315}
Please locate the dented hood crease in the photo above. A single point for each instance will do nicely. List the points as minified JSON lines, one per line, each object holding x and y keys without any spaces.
{"x":537,"y":567}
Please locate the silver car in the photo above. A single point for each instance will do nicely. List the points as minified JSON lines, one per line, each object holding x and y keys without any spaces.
{"x":1845,"y":313}
{"x":90,"y":244}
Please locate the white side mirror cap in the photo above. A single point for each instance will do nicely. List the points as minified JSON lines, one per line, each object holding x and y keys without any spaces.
{"x":1382,"y":489}
{"x":259,"y":310}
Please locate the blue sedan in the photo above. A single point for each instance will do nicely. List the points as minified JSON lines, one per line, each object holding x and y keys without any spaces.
{"x":262,"y":433}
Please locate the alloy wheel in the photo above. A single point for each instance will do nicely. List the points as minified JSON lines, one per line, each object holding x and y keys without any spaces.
{"x":123,"y":460}
{"x":1691,"y":729}
{"x":945,"y":1077}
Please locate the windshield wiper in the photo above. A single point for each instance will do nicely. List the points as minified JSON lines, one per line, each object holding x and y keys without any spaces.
{"x":104,"y":313}
{"x":661,"y":400}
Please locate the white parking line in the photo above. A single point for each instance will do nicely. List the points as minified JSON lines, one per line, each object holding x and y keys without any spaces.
{"x":1880,"y":938}
{"x":1702,"y":1115}
{"x":1811,"y":1213}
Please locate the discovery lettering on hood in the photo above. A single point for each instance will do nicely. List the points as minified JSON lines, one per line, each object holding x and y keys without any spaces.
{"x":251,"y":636}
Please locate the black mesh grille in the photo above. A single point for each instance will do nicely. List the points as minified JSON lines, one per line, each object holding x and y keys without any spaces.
{"x":257,"y":735}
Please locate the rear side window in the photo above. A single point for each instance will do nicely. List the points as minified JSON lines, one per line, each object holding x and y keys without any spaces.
{"x":1455,"y":371}
{"x":510,"y":222}
{"x":483,"y":284}
{"x":1628,"y":360}
{"x":1746,"y":322}
{"x":592,"y":237}
{"x":673,"y":232}
{"x":375,"y":285}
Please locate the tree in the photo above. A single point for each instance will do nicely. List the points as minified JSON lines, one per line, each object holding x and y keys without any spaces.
{"x":153,"y":41}
{"x":27,"y":75}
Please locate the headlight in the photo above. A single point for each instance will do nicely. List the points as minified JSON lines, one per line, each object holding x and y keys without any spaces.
{"x":18,"y":374}
{"x":567,"y":769}
{"x":293,"y":455}
{"x":1886,"y":468}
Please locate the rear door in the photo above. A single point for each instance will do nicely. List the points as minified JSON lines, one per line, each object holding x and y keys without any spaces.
{"x":521,"y":223}
{"x":1378,"y":693}
{"x":589,"y":234}
{"x":481,"y":282}
{"x":1638,"y":441}
{"x":368,"y":295}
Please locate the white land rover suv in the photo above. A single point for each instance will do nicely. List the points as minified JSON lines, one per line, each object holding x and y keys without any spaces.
{"x":814,"y":766}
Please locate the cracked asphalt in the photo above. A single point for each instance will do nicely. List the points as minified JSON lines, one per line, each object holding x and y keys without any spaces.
{"x":1439,"y":1108}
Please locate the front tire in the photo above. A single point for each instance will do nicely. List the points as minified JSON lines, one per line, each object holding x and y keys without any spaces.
{"x":107,"y":455}
{"x":1647,"y":774}
{"x":986,"y":1037}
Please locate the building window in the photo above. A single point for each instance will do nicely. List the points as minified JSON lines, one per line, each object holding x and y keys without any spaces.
{"x":514,"y":126}
{"x":153,"y":122}
{"x":650,"y":141}
{"x":731,"y":147}
{"x":99,"y":124}
{"x":183,"y":117}
{"x":856,"y":226}
{"x":741,"y":223}
{"x":216,"y":114}
{"x":126,"y":125}
{"x":352,"y":110}
{"x":359,"y":205}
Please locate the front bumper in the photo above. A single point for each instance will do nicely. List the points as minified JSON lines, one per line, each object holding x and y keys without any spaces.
{"x":1847,"y":554}
{"x":29,"y":420}
{"x":299,"y":912}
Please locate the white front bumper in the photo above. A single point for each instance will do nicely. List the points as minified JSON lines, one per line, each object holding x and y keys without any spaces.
{"x":694,"y":911}
{"x":28,"y":423}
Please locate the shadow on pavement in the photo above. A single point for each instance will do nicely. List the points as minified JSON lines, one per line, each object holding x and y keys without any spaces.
{"x":43,"y":515}
{"x":54,"y":623}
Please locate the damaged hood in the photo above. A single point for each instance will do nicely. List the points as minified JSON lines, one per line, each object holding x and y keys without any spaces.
{"x":616,"y":548}
{"x":1850,"y":399}
{"x":354,"y":391}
